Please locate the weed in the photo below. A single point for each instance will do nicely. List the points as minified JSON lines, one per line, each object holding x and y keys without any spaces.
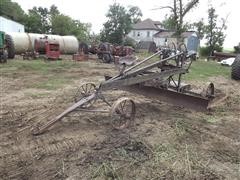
{"x":164,"y":153}
{"x":106,"y":170}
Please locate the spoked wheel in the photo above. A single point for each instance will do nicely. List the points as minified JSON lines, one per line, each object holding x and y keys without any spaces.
{"x":182,"y":48}
{"x":173,"y":48}
{"x":83,"y":91}
{"x":210,"y":90}
{"x":123,"y":112}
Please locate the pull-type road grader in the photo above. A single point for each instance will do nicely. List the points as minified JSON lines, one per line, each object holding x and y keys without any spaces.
{"x":154,"y":77}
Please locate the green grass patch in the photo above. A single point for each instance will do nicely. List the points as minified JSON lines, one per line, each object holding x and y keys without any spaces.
{"x":37,"y":66}
{"x":199,"y":70}
{"x":48,"y":75}
{"x":51,"y":83}
{"x":37,"y":95}
{"x":202,"y":70}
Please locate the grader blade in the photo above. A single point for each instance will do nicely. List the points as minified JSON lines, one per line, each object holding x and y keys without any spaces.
{"x":188,"y":100}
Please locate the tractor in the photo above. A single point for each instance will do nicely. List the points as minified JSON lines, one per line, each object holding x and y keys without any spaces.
{"x":3,"y":48}
{"x":7,"y":50}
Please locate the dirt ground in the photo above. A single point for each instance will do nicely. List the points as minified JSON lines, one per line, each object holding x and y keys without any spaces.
{"x":166,"y":142}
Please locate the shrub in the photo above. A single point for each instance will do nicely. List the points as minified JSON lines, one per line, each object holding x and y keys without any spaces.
{"x":129,"y":42}
{"x":206,"y":51}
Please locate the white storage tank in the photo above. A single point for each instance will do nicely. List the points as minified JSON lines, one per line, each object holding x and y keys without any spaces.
{"x":25,"y":42}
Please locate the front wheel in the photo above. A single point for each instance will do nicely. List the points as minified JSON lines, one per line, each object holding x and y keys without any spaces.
{"x":122,"y":113}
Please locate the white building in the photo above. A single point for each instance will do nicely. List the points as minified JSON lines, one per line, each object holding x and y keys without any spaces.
{"x":190,"y":39}
{"x":8,"y":25}
{"x":144,"y":30}
{"x":148,"y":31}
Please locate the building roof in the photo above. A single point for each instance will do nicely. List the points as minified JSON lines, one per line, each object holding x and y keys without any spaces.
{"x":168,"y":34}
{"x":147,"y":24}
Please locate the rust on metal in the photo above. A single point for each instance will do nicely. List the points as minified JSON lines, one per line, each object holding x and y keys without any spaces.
{"x":156,"y":79}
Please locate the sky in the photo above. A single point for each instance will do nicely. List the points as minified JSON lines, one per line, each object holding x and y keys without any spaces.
{"x":94,"y":11}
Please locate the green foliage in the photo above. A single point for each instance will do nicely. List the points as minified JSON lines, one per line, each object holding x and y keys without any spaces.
{"x":119,"y":23}
{"x":37,"y":21}
{"x":12,"y":10}
{"x":129,"y":42}
{"x":94,"y":38}
{"x":200,"y":28}
{"x":175,"y":21}
{"x":169,"y":22}
{"x":45,"y":21}
{"x":214,"y":34}
{"x":205,"y":51}
{"x":135,"y":13}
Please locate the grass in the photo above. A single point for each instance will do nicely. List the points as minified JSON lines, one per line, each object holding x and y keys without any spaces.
{"x":202,"y":70}
{"x":37,"y":66}
{"x":51,"y":83}
{"x":54,"y":73}
{"x":48,"y":75}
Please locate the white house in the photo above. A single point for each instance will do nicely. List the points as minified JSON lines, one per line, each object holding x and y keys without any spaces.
{"x":144,"y":30}
{"x":190,"y":38}
{"x":8,"y":25}
{"x":148,"y":31}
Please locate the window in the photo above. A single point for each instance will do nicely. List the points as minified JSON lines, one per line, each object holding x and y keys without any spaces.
{"x":148,"y":34}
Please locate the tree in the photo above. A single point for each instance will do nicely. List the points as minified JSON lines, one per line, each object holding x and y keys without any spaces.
{"x":169,"y":22}
{"x":178,"y":12}
{"x":119,"y":23}
{"x":12,"y":11}
{"x":135,"y":13}
{"x":38,"y":20}
{"x":54,"y":11}
{"x":215,"y":34}
{"x":64,"y":25}
{"x":61,"y":24}
{"x":51,"y":21}
{"x":200,"y":28}
{"x":33,"y":22}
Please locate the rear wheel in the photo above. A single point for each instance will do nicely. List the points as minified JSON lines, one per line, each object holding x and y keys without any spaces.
{"x":3,"y":57}
{"x":236,"y":69}
{"x":10,"y":46}
{"x":107,"y":58}
{"x":123,"y":113}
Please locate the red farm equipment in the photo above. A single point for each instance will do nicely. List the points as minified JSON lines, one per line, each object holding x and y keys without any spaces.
{"x":47,"y":48}
{"x":109,"y":53}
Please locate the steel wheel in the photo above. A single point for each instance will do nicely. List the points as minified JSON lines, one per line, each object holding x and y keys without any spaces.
{"x":210,"y":90}
{"x":173,"y":48}
{"x":122,"y":112}
{"x":83,"y":91}
{"x":182,"y":48}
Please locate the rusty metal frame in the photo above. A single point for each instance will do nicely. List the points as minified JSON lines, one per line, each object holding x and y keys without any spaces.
{"x":134,"y":79}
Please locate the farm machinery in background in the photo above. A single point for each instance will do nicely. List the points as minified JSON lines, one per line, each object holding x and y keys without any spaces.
{"x":158,"y":79}
{"x":108,"y":53}
{"x":6,"y":47}
{"x":44,"y":48}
